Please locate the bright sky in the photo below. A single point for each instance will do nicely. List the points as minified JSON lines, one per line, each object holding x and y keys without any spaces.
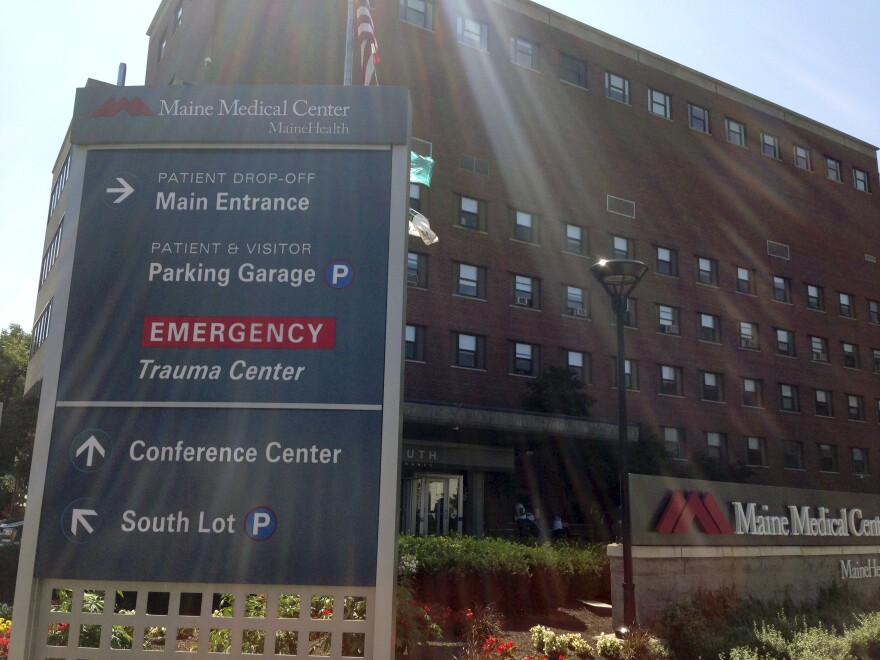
{"x":818,"y":58}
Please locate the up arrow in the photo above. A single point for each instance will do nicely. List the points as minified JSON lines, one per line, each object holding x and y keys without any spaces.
{"x":79,"y":518}
{"x":124,"y":191}
{"x":91,"y":446}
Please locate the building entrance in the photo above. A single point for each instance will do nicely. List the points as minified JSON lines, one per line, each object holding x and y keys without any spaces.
{"x":431,"y":504}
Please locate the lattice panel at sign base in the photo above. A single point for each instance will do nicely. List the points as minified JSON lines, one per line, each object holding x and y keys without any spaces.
{"x":85,"y":620}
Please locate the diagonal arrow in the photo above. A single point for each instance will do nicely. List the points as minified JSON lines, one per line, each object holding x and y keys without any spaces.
{"x":79,"y":518}
{"x":124,"y":191}
{"x":91,"y":446}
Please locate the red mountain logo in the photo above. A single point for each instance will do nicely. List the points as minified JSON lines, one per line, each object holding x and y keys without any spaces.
{"x":134,"y":108}
{"x":681,"y":511}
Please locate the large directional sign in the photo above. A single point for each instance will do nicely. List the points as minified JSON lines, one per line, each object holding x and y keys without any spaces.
{"x":221,"y":390}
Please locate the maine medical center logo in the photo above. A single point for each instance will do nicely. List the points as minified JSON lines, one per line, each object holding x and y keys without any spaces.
{"x":687,"y":510}
{"x":134,"y":108}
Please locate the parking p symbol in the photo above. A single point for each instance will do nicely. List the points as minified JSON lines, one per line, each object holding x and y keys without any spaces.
{"x":260,"y":523}
{"x":339,"y":274}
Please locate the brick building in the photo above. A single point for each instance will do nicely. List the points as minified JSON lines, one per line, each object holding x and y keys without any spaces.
{"x":755,"y":338}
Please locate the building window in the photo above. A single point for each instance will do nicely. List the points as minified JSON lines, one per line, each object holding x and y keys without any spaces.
{"x":469,"y":351}
{"x":525,"y":227}
{"x":782,"y":289}
{"x":736,"y":132}
{"x":622,"y":248}
{"x":850,"y":355}
{"x":745,"y":280}
{"x":756,"y":451}
{"x":670,"y":380}
{"x":415,"y":197}
{"x":630,"y":373}
{"x":617,"y":88}
{"x":752,"y":393}
{"x":710,"y":328}
{"x":473,"y":164}
{"x":860,"y":460}
{"x":472,"y":214}
{"x":414,"y":346}
{"x":418,"y":12}
{"x":630,"y":315}
{"x":472,"y":33}
{"x":770,"y":145}
{"x":698,"y":118}
{"x":525,"y":53}
{"x":572,"y":70}
{"x":58,"y":186}
{"x":575,"y":239}
{"x":824,"y":402}
{"x":163,"y":43}
{"x":575,"y":301}
{"x":861,"y":180}
{"x":673,"y":441}
{"x":748,"y":335}
{"x":668,"y":320}
{"x":51,"y":253}
{"x":788,"y":398}
{"x":578,"y":364}
{"x":833,"y":169}
{"x":875,"y":360}
{"x":471,"y":281}
{"x":667,"y":261}
{"x":873,"y":311}
{"x":178,"y":16}
{"x":40,"y":332}
{"x":828,"y":458}
{"x":707,"y":271}
{"x":525,"y":291}
{"x":716,"y":445}
{"x":855,"y":407}
{"x":803,"y":158}
{"x":712,"y":386}
{"x":659,"y":103}
{"x":815,"y":297}
{"x":417,"y":270}
{"x":785,"y":343}
{"x":818,"y":349}
{"x":793,"y":454}
{"x":847,"y":306}
{"x":523,"y":359}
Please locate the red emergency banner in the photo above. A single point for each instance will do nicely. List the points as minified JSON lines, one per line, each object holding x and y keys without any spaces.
{"x":239,"y":332}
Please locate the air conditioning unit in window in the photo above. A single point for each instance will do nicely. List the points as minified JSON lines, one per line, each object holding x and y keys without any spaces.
{"x":819,"y":356}
{"x":671,"y":329}
{"x":579,"y":311}
{"x":748,"y":343}
{"x":412,"y":278}
{"x":522,"y":301}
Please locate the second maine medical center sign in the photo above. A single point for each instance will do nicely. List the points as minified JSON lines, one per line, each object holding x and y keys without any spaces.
{"x":230,"y":371}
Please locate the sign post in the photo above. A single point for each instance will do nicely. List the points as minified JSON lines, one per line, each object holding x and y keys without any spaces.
{"x":229,"y":375}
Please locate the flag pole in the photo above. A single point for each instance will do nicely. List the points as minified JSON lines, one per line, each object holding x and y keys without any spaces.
{"x":349,"y":44}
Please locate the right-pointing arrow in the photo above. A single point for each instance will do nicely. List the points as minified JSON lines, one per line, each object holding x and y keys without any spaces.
{"x":79,"y":518}
{"x":124,"y":191}
{"x":91,"y":446}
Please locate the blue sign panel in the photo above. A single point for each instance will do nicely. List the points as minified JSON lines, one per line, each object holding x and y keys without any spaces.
{"x":194,"y":495}
{"x":219,"y":407}
{"x":229,"y":276}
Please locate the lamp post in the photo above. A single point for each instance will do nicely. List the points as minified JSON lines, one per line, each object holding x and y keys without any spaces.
{"x":619,"y":277}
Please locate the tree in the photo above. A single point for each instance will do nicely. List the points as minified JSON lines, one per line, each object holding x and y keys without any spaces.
{"x":557,"y":390}
{"x":19,"y":417}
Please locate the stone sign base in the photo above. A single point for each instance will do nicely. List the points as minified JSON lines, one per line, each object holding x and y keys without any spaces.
{"x":666,"y":574}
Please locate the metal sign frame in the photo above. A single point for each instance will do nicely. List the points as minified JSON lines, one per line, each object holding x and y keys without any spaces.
{"x":319,"y":120}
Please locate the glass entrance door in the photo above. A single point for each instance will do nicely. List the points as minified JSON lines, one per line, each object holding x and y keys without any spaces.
{"x":432,"y":504}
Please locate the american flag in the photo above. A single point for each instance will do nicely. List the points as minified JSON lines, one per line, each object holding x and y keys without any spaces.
{"x":367,"y":41}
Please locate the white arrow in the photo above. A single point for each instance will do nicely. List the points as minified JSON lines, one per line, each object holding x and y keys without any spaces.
{"x":124,"y":192}
{"x":79,"y":518}
{"x":91,"y":445}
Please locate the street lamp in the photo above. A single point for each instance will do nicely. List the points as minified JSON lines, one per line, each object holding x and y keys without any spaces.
{"x":619,"y":277}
